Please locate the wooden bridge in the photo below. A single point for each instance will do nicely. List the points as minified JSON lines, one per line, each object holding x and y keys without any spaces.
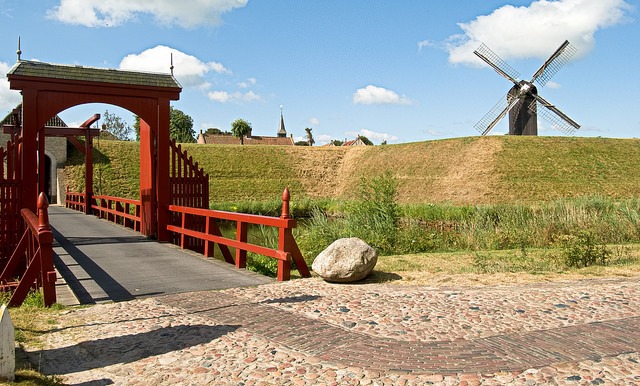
{"x":174,"y":190}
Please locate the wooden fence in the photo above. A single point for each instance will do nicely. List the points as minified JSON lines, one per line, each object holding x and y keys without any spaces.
{"x":186,"y":228}
{"x":189,"y":186}
{"x":10,"y":200}
{"x":36,"y":252}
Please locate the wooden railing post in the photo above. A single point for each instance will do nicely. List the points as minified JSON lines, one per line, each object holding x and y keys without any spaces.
{"x":286,"y":196}
{"x":241,"y":236}
{"x":45,"y":240}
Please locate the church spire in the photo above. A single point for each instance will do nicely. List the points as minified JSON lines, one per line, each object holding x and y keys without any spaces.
{"x":282,"y":132}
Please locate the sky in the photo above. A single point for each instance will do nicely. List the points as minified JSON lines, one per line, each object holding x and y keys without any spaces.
{"x":392,"y":70}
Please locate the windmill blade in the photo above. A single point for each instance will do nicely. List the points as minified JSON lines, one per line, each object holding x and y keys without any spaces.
{"x":493,"y":60}
{"x":554,"y":116}
{"x":496,"y":113}
{"x":563,"y":54}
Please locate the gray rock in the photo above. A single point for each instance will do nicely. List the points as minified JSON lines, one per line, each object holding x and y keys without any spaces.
{"x":345,"y":261}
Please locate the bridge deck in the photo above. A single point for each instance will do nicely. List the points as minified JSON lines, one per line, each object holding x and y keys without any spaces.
{"x":101,"y":262}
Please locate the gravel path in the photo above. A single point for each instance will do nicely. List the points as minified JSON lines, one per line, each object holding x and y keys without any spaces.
{"x":308,"y":332}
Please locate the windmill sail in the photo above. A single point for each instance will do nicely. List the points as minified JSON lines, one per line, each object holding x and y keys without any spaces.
{"x":555,"y":62}
{"x":556,"y":118}
{"x":493,"y":60}
{"x":522,"y":102}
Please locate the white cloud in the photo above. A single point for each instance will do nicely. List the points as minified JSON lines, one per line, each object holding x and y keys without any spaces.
{"x":322,"y":139}
{"x":9,"y":99}
{"x":189,"y":70}
{"x":537,"y":30}
{"x":110,"y":13}
{"x":426,"y":43}
{"x":377,"y":95}
{"x":373,"y":136}
{"x":313,"y":121}
{"x":236,"y":97}
{"x":248,"y":83}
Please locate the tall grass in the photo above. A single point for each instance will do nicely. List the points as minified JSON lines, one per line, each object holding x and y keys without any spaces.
{"x":445,"y":227}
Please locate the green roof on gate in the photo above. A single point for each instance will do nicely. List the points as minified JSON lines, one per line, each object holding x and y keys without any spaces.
{"x":92,"y":74}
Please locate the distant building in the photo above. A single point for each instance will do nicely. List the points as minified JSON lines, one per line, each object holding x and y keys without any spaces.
{"x":355,"y":142}
{"x":225,"y":139}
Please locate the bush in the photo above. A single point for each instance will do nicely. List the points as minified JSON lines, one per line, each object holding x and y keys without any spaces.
{"x":582,"y":251}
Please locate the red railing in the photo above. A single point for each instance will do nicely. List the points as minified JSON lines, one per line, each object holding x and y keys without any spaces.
{"x":123,"y":211}
{"x":75,"y":200}
{"x":35,"y":251}
{"x":286,"y":252}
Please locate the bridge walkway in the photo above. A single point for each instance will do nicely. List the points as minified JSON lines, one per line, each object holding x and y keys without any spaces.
{"x":99,"y":261}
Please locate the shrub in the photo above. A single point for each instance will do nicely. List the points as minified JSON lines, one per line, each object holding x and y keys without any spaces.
{"x":582,"y":250}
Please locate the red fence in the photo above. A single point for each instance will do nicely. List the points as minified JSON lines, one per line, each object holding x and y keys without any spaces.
{"x":189,"y":183}
{"x":10,"y":201}
{"x":123,"y":211}
{"x":286,"y":252}
{"x":75,"y":200}
{"x":34,"y":249}
{"x":189,"y":186}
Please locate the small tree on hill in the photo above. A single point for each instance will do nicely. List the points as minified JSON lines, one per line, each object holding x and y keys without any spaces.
{"x":180,"y":126}
{"x":114,"y":127}
{"x":366,"y":140}
{"x":309,"y":136}
{"x":240,"y":128}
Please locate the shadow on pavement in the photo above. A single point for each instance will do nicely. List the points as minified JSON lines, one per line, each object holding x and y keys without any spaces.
{"x":100,"y":353}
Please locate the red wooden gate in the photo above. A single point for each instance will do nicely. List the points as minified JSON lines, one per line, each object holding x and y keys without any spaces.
{"x":189,"y":186}
{"x":10,"y":200}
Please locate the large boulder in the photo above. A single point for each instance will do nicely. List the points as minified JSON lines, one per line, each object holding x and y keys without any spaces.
{"x":345,"y":261}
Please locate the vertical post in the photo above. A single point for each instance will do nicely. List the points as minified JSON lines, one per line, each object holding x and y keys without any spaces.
{"x":147,"y":188}
{"x":88,"y":170}
{"x":286,"y":196}
{"x":45,"y":239}
{"x":209,"y":247}
{"x":163,"y":185}
{"x":29,"y":150}
{"x":241,"y":235}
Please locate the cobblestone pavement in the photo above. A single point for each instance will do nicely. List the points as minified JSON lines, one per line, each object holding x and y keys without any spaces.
{"x":308,"y":332}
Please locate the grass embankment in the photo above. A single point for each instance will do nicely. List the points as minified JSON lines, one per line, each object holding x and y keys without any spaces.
{"x":461,"y":171}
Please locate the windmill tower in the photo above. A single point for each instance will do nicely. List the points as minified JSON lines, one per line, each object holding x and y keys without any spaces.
{"x":522,"y":102}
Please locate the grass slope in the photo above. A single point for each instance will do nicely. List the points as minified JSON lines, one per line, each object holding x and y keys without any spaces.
{"x":469,"y":170}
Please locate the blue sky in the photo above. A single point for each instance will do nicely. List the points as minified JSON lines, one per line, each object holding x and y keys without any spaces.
{"x":400,"y":71}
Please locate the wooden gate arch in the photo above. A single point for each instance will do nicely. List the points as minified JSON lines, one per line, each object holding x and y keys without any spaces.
{"x":48,"y":89}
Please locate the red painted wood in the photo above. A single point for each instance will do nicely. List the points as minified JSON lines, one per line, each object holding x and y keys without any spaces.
{"x":35,"y":251}
{"x":286,"y":251}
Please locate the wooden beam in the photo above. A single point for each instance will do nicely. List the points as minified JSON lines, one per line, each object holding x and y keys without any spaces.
{"x":74,"y":141}
{"x":52,"y":131}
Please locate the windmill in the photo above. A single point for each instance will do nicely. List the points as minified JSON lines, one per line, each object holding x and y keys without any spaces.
{"x":522,"y":102}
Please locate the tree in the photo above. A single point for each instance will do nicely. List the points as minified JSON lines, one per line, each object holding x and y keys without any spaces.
{"x":136,"y":126}
{"x":240,"y":128}
{"x":337,"y":142}
{"x":365,"y":140}
{"x":216,"y":131}
{"x":309,"y":136}
{"x":301,"y":143}
{"x":180,"y":126}
{"x":115,"y":127}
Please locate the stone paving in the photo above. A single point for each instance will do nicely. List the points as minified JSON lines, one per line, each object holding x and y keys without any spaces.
{"x":308,"y":332}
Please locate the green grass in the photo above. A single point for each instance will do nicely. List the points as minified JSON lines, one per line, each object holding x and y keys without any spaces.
{"x":460,"y":171}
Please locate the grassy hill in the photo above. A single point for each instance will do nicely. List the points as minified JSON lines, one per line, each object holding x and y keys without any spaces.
{"x":473,"y":170}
